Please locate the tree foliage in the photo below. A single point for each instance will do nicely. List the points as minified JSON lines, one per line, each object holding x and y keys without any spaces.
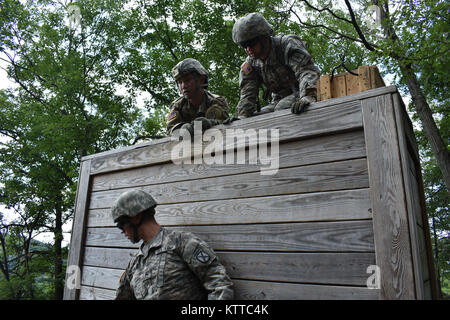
{"x":106,"y":82}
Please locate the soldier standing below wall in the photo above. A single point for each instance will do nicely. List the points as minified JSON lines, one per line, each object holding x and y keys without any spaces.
{"x":196,"y":103}
{"x":282,"y":63}
{"x":170,"y":265}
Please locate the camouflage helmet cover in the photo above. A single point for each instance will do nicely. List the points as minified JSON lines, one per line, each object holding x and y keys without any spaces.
{"x":187,"y":66}
{"x":131,"y":203}
{"x":251,"y":26}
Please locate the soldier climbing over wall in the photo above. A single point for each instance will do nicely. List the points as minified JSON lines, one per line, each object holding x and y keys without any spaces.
{"x":282,"y":63}
{"x":169,"y":265}
{"x":196,"y":103}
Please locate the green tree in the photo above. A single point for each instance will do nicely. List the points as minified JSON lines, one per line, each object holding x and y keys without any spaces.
{"x":411,"y":41}
{"x":66,"y":106}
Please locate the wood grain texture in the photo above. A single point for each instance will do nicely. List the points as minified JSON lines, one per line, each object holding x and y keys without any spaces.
{"x":321,"y":121}
{"x":322,"y":206}
{"x":420,"y":235}
{"x":339,"y":203}
{"x":391,"y":229}
{"x":348,"y":236}
{"x":260,"y":290}
{"x":101,"y":283}
{"x":413,"y":206}
{"x":325,"y":268}
{"x":78,"y":227}
{"x":304,"y":152}
{"x":340,"y":175}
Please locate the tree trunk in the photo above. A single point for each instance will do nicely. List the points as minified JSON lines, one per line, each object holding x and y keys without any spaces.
{"x":430,"y":128}
{"x":58,"y":277}
{"x":436,"y":258}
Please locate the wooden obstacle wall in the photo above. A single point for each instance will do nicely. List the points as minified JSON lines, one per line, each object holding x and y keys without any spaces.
{"x":348,"y":195}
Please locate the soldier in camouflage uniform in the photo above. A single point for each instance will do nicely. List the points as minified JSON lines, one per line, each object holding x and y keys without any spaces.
{"x":282,"y":63}
{"x":196,"y":103}
{"x":169,"y":264}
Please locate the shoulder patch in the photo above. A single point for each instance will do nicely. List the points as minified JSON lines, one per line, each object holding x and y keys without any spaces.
{"x":202,"y":256}
{"x":247,"y":68}
{"x":172,"y":115}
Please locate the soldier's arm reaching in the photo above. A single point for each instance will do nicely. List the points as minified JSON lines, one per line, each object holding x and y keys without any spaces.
{"x":249,"y":84}
{"x":306,"y":72}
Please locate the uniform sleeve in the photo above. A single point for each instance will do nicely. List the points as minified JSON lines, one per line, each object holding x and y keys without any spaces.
{"x":301,"y":62}
{"x":249,"y":84}
{"x":174,"y":120}
{"x":218,"y":109}
{"x":124,"y":291}
{"x":205,"y":264}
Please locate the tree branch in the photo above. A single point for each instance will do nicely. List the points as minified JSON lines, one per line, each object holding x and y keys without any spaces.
{"x":368,"y":45}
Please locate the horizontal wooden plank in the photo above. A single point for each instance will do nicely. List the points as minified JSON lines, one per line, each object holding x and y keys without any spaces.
{"x":260,"y":290}
{"x":101,"y":277}
{"x":240,"y":123}
{"x":324,"y":206}
{"x":324,"y":268}
{"x":96,"y":278}
{"x":343,"y":117}
{"x":337,"y":147}
{"x":355,"y":236}
{"x":351,"y":174}
{"x":93,"y":293}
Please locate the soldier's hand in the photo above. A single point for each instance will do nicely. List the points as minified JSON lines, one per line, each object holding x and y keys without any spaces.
{"x":300,"y":104}
{"x":187,"y":127}
{"x":206,"y":123}
{"x":230,"y":120}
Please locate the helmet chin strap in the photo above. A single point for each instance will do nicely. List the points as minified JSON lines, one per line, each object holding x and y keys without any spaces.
{"x":135,"y":229}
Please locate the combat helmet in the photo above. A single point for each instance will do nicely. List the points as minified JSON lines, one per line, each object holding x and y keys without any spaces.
{"x":250,"y":26}
{"x":131,"y":203}
{"x":189,"y":65}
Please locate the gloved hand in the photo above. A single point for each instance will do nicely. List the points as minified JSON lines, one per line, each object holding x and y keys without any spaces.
{"x":300,"y":104}
{"x":206,"y":123}
{"x":230,"y":120}
{"x":188,"y":127}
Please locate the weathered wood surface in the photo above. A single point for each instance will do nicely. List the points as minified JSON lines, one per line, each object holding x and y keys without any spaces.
{"x":312,"y":151}
{"x":390,"y":216}
{"x":314,"y":178}
{"x":320,"y":206}
{"x":418,"y":223}
{"x":345,"y":236}
{"x":316,"y":122}
{"x":342,"y":200}
{"x":259,"y":290}
{"x":326,"y":268}
{"x":79,"y":223}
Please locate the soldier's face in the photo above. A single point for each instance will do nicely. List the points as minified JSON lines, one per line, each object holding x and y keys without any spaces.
{"x":128,"y":230}
{"x":189,"y":86}
{"x":254,"y":49}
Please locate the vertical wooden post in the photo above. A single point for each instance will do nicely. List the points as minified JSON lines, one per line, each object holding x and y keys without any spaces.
{"x":416,"y":206}
{"x":78,"y":229}
{"x":390,"y":216}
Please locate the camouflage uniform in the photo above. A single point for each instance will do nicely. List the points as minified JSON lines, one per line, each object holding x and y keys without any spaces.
{"x":213,"y":107}
{"x":175,"y":265}
{"x":288,"y":73}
